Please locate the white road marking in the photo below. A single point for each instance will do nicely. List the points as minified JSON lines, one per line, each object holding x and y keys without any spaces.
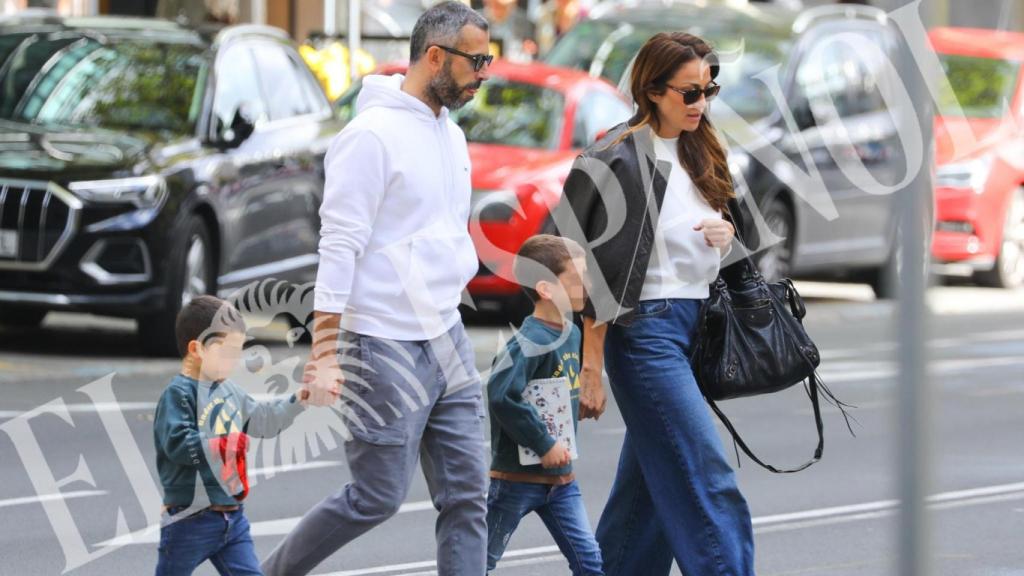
{"x":99,"y":407}
{"x":49,"y":497}
{"x":762,"y":524}
{"x":272,"y":470}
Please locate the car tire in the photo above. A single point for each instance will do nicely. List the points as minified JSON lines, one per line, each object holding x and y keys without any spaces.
{"x":885,"y":282}
{"x":1008,"y":271}
{"x":776,"y":262}
{"x":191,"y":274}
{"x":22,"y":317}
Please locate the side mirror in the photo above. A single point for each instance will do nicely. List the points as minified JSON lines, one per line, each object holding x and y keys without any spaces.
{"x":243,"y":124}
{"x":802,"y":114}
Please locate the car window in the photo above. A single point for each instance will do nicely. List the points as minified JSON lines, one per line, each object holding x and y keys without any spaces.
{"x":502,"y":112}
{"x":74,"y":79}
{"x":834,"y":82}
{"x":595,"y":113}
{"x":979,"y":87}
{"x":513,"y":114}
{"x":280,"y":82}
{"x":607,"y":49}
{"x":345,"y":107}
{"x":237,"y":86}
{"x":578,"y":47}
{"x":309,"y":85}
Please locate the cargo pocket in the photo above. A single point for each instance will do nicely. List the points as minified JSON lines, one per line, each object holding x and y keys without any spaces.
{"x":376,"y":412}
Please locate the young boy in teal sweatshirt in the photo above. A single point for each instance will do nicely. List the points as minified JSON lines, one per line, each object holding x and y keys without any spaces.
{"x":201,"y":429}
{"x":543,"y":353}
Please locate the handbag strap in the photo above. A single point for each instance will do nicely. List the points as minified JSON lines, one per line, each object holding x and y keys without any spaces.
{"x":812,"y":392}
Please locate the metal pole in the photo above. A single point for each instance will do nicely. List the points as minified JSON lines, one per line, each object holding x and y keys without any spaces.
{"x":354,"y":37}
{"x":914,"y":402}
{"x":258,"y":11}
{"x":330,"y":17}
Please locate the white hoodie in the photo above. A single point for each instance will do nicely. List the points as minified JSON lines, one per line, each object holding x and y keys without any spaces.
{"x":395,"y":252}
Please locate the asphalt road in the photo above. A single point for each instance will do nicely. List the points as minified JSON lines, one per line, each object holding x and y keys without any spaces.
{"x":837,"y":518}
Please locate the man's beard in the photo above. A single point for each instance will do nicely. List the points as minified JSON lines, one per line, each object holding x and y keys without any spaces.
{"x":443,"y":89}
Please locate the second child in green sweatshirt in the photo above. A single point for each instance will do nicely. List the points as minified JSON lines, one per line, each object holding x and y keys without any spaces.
{"x":546,"y":347}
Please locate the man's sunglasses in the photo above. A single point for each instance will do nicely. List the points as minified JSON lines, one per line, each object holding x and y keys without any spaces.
{"x":478,"y":60}
{"x":693,"y":95}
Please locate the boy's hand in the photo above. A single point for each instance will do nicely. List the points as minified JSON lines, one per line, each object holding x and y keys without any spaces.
{"x":322,"y":380}
{"x":593,"y":399}
{"x":302,"y":395}
{"x":557,"y":457}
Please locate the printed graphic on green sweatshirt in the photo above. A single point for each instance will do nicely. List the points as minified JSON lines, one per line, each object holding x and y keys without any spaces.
{"x":223,"y":416}
{"x":569,"y":366}
{"x":537,"y":352}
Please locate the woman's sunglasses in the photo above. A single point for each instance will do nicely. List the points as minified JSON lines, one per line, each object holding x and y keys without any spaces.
{"x":692,"y":96}
{"x":478,"y":60}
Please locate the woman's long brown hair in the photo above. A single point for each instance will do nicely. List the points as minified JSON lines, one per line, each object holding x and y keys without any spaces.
{"x":700,"y":152}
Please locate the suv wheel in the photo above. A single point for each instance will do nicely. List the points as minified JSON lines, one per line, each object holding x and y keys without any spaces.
{"x":776,"y":262}
{"x":191,"y":274}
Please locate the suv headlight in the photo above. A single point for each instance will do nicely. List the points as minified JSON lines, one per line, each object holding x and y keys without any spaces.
{"x":143,"y":192}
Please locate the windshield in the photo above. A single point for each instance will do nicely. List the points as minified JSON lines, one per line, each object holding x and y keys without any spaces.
{"x":512,"y":114}
{"x":502,"y":112}
{"x":607,"y":48}
{"x":80,"y":81}
{"x":983,"y":87}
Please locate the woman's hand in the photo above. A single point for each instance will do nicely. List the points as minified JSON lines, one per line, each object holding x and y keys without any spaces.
{"x":592,"y":396}
{"x":718,"y":233}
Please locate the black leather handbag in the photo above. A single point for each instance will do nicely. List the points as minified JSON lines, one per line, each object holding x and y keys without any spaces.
{"x":751,"y":340}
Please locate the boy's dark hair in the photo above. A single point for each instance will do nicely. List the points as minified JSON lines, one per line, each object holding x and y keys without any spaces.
{"x":441,"y":24}
{"x":205,"y":317}
{"x":540,"y":255}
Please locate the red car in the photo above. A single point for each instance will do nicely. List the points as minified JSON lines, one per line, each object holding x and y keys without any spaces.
{"x":979,"y":156}
{"x":525,"y":127}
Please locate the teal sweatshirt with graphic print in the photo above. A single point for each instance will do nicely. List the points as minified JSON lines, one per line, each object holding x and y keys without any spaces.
{"x":191,"y":412}
{"x":514,"y":421}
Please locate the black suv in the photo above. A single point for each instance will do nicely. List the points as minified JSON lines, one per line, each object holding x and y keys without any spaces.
{"x":143,"y":162}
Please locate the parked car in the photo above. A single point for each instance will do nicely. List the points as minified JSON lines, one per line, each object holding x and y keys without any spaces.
{"x":525,"y":127}
{"x":143,"y":162}
{"x":979,"y":187}
{"x":840,"y":117}
{"x":605,"y":44}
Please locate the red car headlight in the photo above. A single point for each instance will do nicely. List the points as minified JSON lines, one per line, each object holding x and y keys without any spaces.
{"x":971,"y":174}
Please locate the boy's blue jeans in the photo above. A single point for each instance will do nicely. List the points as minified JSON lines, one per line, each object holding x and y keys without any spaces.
{"x":559,"y":507}
{"x":674,"y":495}
{"x":220,"y":537}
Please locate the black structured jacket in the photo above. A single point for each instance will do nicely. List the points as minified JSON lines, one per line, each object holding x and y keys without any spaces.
{"x":609,"y":205}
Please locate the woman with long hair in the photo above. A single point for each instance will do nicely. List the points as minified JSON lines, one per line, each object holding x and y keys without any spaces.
{"x":649,"y":201}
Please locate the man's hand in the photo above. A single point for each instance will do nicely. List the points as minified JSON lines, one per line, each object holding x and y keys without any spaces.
{"x":718,"y":233}
{"x":557,"y":457}
{"x":322,"y":379}
{"x":592,"y":396}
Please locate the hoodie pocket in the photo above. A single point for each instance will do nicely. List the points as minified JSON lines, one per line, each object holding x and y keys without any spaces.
{"x":446,"y":264}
